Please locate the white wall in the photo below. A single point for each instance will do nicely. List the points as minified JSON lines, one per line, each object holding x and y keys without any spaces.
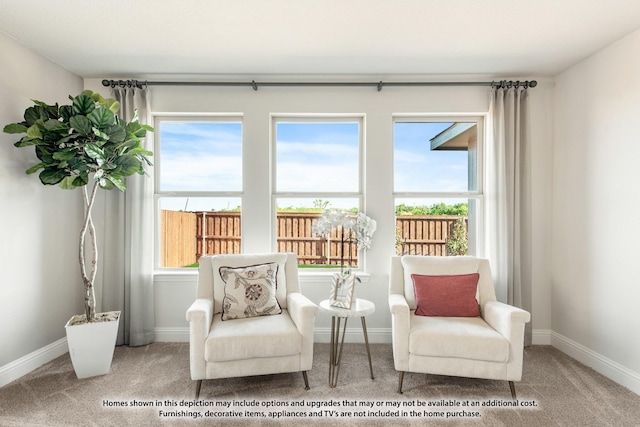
{"x":40,"y":284}
{"x":596,"y":227}
{"x":174,"y":293}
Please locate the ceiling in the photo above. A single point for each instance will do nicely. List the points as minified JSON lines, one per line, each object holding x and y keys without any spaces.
{"x":193,"y":38}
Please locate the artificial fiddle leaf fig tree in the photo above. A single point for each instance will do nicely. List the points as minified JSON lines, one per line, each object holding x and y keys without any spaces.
{"x":84,"y":145}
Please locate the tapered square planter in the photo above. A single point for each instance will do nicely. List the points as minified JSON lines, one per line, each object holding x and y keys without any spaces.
{"x":91,"y":345}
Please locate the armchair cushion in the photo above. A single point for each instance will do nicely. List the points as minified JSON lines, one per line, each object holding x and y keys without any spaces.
{"x":266,"y":336}
{"x":249,"y":291}
{"x":457,"y":337}
{"x":446,"y":295}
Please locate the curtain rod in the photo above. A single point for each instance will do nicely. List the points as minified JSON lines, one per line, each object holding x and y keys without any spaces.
{"x":140,"y":84}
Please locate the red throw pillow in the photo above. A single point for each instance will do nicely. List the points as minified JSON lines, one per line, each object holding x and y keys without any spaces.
{"x":446,"y":296}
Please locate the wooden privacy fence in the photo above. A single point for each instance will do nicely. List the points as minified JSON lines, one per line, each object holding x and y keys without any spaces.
{"x":188,"y":235}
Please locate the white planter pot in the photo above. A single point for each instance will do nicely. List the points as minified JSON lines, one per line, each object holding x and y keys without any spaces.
{"x":91,"y":346}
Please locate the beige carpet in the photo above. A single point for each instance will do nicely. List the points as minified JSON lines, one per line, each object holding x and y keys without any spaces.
{"x":566,"y":394}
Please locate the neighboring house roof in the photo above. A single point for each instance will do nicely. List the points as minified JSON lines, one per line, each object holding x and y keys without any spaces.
{"x":454,"y":138}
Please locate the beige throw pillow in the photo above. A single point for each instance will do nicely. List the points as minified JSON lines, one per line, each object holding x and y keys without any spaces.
{"x":249,"y":291}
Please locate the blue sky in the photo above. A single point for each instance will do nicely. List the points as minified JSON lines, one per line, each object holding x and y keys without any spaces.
{"x":207,"y":156}
{"x":417,"y":168}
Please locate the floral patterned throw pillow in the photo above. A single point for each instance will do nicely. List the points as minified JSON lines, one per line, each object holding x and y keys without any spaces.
{"x":249,"y":291}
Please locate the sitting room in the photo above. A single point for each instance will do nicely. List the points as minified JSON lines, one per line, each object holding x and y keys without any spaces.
{"x":369,"y":212}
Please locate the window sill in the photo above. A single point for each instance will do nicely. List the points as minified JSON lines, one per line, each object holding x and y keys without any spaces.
{"x":191,"y":275}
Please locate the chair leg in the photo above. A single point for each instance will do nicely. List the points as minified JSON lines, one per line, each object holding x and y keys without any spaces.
{"x":400,"y":382}
{"x":198,"y":387}
{"x":513,"y":390}
{"x":306,"y":380}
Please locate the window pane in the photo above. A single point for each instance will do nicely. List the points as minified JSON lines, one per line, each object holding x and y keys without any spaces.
{"x":295,"y":219}
{"x":317,"y":157}
{"x":191,"y":227}
{"x":435,"y":227}
{"x":435,"y":156}
{"x":200,"y":156}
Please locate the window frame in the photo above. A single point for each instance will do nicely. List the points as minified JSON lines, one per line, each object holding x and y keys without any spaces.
{"x":274,"y":119}
{"x":159,"y":194}
{"x":476,"y":235}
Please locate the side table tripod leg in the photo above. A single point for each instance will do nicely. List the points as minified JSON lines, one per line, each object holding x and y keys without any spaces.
{"x":336,"y":354}
{"x":366,"y":341}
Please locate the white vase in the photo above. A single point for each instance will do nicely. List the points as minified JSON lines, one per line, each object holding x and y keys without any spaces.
{"x":91,"y":346}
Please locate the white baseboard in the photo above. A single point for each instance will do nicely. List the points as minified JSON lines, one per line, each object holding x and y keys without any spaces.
{"x":541,"y":337}
{"x":171,"y":334}
{"x":355,"y":335}
{"x":598,"y":362}
{"x":32,"y":361}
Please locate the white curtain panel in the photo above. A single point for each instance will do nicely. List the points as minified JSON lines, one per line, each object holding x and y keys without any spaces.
{"x":508,"y":195}
{"x":127,"y":250}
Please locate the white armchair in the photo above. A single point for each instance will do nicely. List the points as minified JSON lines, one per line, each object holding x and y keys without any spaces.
{"x":489,"y":346}
{"x":260,"y":345}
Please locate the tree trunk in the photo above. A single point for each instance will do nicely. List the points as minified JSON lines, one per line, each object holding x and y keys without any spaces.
{"x":88,"y":280}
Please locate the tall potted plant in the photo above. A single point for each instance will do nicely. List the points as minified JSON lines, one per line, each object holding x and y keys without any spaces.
{"x":85,"y":145}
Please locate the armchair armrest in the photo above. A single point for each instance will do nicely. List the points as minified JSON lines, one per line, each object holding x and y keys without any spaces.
{"x":302,"y":311}
{"x":398,"y":305}
{"x":200,"y":316}
{"x":506,"y":319}
{"x":400,"y":327}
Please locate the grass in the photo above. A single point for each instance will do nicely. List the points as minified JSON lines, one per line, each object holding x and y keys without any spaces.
{"x":311,"y":266}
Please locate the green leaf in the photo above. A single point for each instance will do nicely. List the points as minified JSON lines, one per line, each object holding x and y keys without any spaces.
{"x":41,"y":104}
{"x":117,"y":182}
{"x":44,"y":154}
{"x":115,"y":134}
{"x":78,"y":164}
{"x":91,"y":94}
{"x":67,"y":138}
{"x":140,"y":151}
{"x":83,"y":104}
{"x":101,"y":136}
{"x":64,"y":155}
{"x":54,"y":125}
{"x":33,"y":114}
{"x":15,"y":128}
{"x":138,"y":130}
{"x":51,"y":176}
{"x":82,"y":179}
{"x":26,"y":142}
{"x":112,"y":105}
{"x":102,"y":117}
{"x":34,"y":132}
{"x":94,"y":151}
{"x":68,"y":183}
{"x":66,"y":111}
{"x":34,"y":168}
{"x":128,"y":165}
{"x":82,"y":125}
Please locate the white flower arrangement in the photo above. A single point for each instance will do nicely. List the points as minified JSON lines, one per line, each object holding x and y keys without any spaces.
{"x":361,"y":225}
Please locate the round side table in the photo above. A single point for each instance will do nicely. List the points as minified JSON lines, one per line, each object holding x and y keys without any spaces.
{"x":360,"y":308}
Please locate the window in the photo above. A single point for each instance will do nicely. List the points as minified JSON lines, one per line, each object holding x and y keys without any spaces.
{"x":198,"y":187}
{"x":317,"y":165}
{"x":437,"y":185}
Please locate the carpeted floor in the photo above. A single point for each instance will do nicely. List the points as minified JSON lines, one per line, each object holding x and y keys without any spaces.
{"x":153,"y":382}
